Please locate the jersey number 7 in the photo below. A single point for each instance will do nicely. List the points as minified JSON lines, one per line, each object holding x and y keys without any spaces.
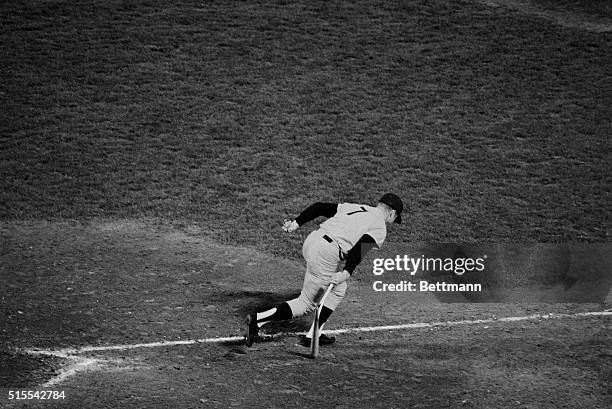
{"x":363,"y":210}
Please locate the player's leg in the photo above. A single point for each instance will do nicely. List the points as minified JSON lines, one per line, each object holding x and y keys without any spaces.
{"x":296,"y":307}
{"x":326,"y":264}
{"x":331,"y":303}
{"x":336,"y":296}
{"x":321,"y":261}
{"x":293,"y":308}
{"x":304,"y":303}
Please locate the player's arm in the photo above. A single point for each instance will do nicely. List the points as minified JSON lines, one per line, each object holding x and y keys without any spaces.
{"x":310,"y":213}
{"x":354,"y":257}
{"x":315,"y":210}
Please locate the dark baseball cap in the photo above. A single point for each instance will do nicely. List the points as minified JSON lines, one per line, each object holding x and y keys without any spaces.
{"x":394,"y":202}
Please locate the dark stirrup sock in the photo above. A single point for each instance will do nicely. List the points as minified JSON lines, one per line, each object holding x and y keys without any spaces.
{"x":325,"y":314}
{"x":279,"y":313}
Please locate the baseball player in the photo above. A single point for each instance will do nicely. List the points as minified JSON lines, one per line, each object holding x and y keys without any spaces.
{"x":350,"y":231}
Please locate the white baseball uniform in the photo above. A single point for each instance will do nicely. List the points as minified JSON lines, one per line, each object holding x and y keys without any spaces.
{"x":349,"y":232}
{"x":350,"y":223}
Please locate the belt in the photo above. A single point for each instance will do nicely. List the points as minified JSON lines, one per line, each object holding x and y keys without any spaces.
{"x":328,"y":239}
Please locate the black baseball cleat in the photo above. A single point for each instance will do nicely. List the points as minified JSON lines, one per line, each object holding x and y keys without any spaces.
{"x":323,"y":340}
{"x":251,"y":329}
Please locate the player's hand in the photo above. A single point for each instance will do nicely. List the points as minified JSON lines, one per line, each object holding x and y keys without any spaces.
{"x":290,"y":225}
{"x":339,"y":277}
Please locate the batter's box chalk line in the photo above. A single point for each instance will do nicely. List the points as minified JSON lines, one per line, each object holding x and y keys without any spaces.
{"x":77,"y":363}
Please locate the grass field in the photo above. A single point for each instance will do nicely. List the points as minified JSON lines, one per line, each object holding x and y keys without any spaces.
{"x":494,"y":125}
{"x":149,"y":152}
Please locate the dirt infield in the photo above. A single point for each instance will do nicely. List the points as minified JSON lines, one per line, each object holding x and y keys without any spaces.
{"x":556,"y":363}
{"x":108,"y":284}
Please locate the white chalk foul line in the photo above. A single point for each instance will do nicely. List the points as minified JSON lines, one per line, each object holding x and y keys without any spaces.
{"x":80,"y":364}
{"x":71,"y":352}
{"x":468,"y":322}
{"x":68,"y":352}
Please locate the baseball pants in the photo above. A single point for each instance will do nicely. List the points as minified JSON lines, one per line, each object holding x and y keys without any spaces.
{"x":322,"y":260}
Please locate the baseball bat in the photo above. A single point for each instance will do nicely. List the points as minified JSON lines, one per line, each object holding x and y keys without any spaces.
{"x":314,"y":342}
